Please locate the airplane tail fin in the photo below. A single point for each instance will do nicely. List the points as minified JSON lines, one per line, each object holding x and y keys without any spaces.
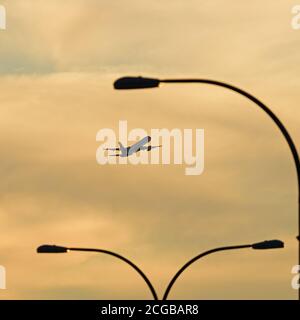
{"x":122,"y":148}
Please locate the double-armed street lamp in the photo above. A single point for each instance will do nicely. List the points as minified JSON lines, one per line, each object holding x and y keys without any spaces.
{"x":269,"y":244}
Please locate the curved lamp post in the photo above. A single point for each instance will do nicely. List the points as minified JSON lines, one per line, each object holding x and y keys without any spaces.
{"x":58,"y":249}
{"x":269,"y":244}
{"x":126,"y":83}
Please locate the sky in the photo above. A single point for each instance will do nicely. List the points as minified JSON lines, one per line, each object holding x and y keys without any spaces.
{"x":58,"y":61}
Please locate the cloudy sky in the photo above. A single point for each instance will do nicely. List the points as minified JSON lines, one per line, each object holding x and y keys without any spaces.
{"x":58,"y":60}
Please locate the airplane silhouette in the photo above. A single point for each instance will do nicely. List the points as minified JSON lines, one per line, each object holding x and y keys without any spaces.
{"x":128,"y":151}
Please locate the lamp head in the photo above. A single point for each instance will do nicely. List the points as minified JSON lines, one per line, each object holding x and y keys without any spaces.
{"x":268,"y":244}
{"x":126,"y":83}
{"x":51,"y":249}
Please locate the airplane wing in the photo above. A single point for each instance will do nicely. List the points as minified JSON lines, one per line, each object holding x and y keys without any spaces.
{"x":148,"y":148}
{"x":138,"y":145}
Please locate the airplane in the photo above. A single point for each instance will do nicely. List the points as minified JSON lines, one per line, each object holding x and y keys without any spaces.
{"x":137,"y":147}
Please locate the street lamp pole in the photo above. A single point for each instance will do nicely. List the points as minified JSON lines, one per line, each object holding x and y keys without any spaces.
{"x":271,"y":244}
{"x":126,"y":83}
{"x":60,"y":249}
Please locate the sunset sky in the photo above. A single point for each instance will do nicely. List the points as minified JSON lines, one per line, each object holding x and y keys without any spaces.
{"x":58,"y":61}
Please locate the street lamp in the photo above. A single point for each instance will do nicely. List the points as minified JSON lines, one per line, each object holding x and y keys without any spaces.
{"x":126,"y":83}
{"x":59,"y":249}
{"x":269,"y":244}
